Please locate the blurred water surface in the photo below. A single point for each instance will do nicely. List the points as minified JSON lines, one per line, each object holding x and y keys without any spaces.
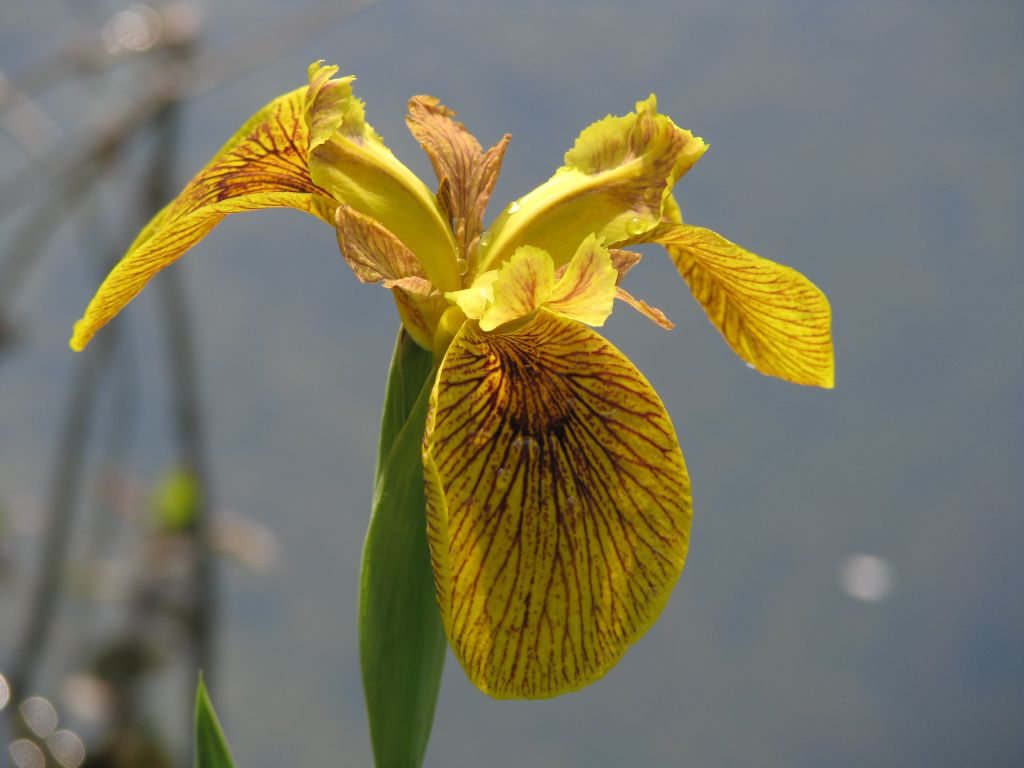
{"x":874,"y":146}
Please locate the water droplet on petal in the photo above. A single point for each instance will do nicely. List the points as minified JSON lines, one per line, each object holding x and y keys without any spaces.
{"x":462,"y":265}
{"x":513,"y":206}
{"x":485,"y":240}
{"x":635,"y":226}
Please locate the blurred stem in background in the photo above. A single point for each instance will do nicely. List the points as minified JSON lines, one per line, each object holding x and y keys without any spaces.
{"x":62,"y":175}
{"x":186,"y":405}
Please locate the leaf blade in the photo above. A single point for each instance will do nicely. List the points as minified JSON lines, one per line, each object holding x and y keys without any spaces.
{"x":211,"y":747}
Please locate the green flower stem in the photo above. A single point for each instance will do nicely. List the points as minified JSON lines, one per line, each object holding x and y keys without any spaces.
{"x":401,"y":640}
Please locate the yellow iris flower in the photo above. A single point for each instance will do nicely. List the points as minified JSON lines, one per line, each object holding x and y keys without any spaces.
{"x":558,"y":501}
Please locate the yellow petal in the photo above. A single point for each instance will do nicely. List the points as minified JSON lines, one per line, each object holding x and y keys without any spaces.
{"x":420,"y":312}
{"x":264,"y":165}
{"x":772,"y":316}
{"x":586,"y":289}
{"x":373,"y":252}
{"x":460,"y":162}
{"x":524,"y":282}
{"x":653,"y":314}
{"x":623,"y":261}
{"x":558,"y":505}
{"x":613,"y":183}
{"x":351,"y":161}
{"x":475,"y":300}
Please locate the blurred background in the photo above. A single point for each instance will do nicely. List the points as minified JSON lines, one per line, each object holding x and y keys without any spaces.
{"x":853,"y":593}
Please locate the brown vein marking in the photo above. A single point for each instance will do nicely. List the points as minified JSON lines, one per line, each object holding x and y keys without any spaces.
{"x":771,"y":315}
{"x":271,"y":157}
{"x":558,"y":505}
{"x":263,"y":166}
{"x":461,"y":165}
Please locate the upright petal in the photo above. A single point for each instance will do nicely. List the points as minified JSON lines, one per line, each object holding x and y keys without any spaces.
{"x":264,"y":165}
{"x":585,"y":290}
{"x":613,"y":184}
{"x":458,"y":158}
{"x":558,"y":505}
{"x":524,"y":283}
{"x":350,"y":160}
{"x":772,"y":316}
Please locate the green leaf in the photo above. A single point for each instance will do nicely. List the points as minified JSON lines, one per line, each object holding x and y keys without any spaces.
{"x":211,"y":746}
{"x":401,"y":640}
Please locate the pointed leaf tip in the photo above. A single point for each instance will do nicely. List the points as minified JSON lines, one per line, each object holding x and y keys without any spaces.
{"x":211,"y":748}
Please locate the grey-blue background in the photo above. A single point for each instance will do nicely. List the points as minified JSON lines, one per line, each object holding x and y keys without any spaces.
{"x":875,"y":146}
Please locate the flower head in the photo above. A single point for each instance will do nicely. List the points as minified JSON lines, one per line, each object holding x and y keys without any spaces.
{"x":558,"y":502}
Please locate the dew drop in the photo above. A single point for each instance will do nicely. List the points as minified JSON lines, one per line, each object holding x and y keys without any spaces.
{"x":485,"y":240}
{"x":634,"y":226}
{"x":513,"y":206}
{"x":462,"y":265}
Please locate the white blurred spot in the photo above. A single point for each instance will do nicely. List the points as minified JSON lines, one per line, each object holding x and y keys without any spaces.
{"x":26,"y":754}
{"x":87,"y":697}
{"x":866,"y":577}
{"x":39,"y":715}
{"x":250,"y":543}
{"x":66,"y":748}
{"x":5,"y":691}
{"x":132,"y":30}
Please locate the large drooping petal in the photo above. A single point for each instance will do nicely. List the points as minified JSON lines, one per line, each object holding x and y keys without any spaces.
{"x":467,"y":174}
{"x":558,"y":505}
{"x":772,"y":316}
{"x":613,"y":184}
{"x":349,"y":159}
{"x":264,"y":165}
